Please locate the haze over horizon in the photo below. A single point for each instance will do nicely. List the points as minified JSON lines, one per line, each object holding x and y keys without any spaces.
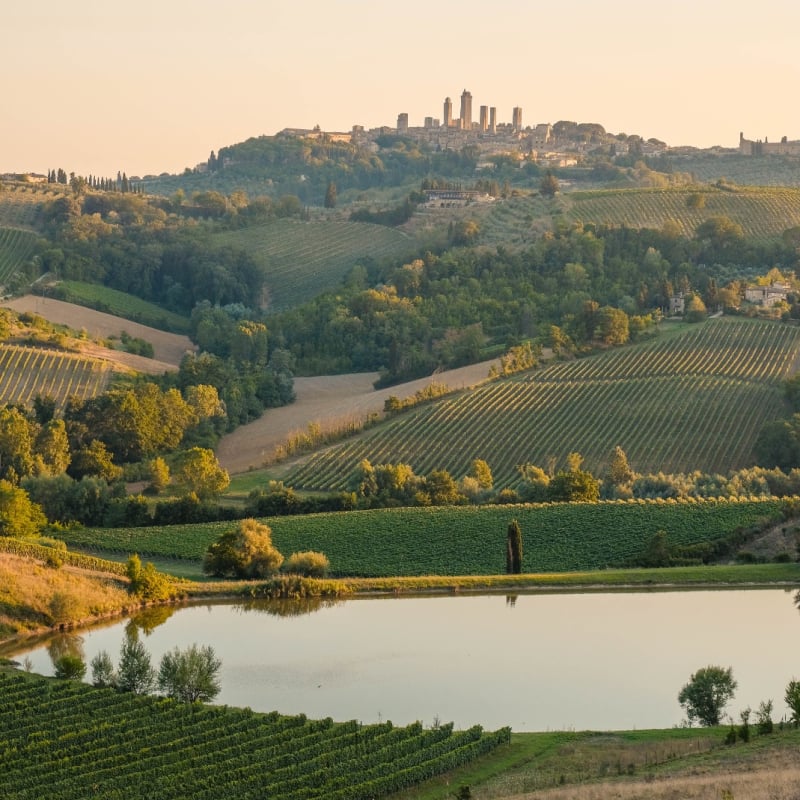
{"x":95,"y":88}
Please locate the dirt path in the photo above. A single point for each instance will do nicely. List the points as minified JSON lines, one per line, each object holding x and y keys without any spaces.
{"x":325,"y":400}
{"x":168,"y":347}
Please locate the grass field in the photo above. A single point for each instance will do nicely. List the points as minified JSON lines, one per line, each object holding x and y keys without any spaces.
{"x":694,"y":398}
{"x":461,"y":540}
{"x":301,"y":259}
{"x":124,"y":305}
{"x":26,"y":372}
{"x":64,"y":740}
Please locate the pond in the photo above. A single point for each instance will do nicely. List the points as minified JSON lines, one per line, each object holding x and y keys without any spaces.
{"x":604,"y":661}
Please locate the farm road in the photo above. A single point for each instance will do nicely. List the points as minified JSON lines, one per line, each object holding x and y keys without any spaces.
{"x":168,"y":347}
{"x":326,"y":400}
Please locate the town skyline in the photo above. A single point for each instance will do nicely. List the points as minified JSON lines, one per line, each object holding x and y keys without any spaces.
{"x":95,"y":89}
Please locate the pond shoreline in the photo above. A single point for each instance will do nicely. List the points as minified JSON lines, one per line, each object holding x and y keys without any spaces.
{"x":606,"y":581}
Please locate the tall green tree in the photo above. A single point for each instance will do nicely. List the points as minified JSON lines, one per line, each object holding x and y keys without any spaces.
{"x":705,"y":695}
{"x":135,"y":673}
{"x":330,"y":195}
{"x":514,"y":548}
{"x":191,"y":675}
{"x":199,"y":473}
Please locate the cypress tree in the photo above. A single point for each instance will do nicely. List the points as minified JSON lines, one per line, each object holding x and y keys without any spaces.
{"x":514,"y":548}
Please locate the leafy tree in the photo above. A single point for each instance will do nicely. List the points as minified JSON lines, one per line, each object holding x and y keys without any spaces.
{"x":619,"y":471}
{"x":190,"y":675}
{"x":246,"y":551}
{"x":482,"y":473}
{"x":135,"y":673}
{"x":70,"y":667}
{"x":695,"y":310}
{"x":199,"y":473}
{"x":51,"y":448}
{"x":103,"y":674}
{"x":441,"y":490}
{"x":19,"y":517}
{"x":792,"y":698}
{"x":536,"y":483}
{"x":612,"y":326}
{"x":706,"y":694}
{"x":514,"y":548}
{"x":656,"y":553}
{"x":574,"y":484}
{"x":94,"y":459}
{"x":145,"y":581}
{"x":159,"y":475}
{"x":549,"y":185}
{"x":764,"y":717}
{"x":16,"y":444}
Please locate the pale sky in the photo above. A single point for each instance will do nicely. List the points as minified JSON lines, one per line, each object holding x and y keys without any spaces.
{"x":153,"y":86}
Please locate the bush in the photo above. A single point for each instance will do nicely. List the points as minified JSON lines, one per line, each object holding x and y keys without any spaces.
{"x":70,"y":667}
{"x":309,"y":564}
{"x":146,"y":582}
{"x":246,"y":551}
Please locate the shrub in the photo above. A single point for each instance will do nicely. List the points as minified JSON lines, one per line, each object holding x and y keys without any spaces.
{"x":309,"y":564}
{"x":70,"y":667}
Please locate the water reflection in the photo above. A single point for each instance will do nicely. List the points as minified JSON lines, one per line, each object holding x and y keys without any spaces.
{"x":148,"y":620}
{"x":560,"y":660}
{"x":65,"y":644}
{"x":286,"y":607}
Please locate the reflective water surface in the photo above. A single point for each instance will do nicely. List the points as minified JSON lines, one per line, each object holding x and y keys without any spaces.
{"x":536,"y":662}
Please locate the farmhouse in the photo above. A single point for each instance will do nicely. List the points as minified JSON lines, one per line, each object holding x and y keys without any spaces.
{"x":449,"y":198}
{"x":767,"y":296}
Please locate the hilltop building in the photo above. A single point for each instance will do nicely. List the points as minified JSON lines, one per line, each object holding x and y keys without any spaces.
{"x":747,"y":147}
{"x":466,"y":111}
{"x":448,"y":113}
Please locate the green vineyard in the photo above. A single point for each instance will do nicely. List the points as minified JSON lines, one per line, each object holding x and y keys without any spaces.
{"x":460,"y":540}
{"x":64,"y":740}
{"x":763,"y":213}
{"x":20,"y":206}
{"x":684,"y":401}
{"x":122,"y":304}
{"x":301,"y":259}
{"x":16,"y":247}
{"x":26,"y":372}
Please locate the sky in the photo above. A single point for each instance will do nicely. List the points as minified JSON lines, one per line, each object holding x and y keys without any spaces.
{"x":94,"y":86}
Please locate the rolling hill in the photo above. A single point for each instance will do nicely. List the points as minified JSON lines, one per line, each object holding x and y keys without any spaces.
{"x":301,"y":259}
{"x":693,"y":398}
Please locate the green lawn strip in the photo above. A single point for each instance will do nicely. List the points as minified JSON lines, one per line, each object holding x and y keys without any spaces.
{"x":121,"y":304}
{"x":460,"y":540}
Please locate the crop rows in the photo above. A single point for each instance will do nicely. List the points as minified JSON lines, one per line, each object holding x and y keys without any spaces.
{"x":64,"y":739}
{"x":19,"y":208}
{"x":762,"y":213}
{"x":16,"y":247}
{"x":460,"y":540}
{"x":26,"y":372}
{"x":303,"y":258}
{"x":680,"y":403}
{"x":516,"y":221}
